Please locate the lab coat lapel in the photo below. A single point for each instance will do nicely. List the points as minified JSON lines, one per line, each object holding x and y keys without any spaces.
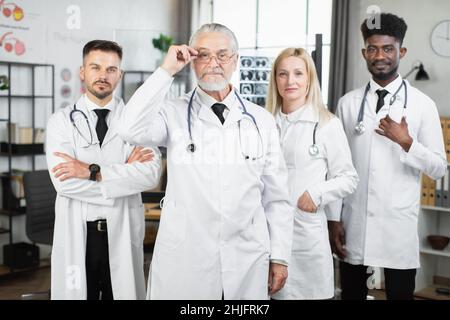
{"x":236,"y":114}
{"x":206,"y":114}
{"x":236,"y":108}
{"x":80,"y":123}
{"x":113,"y":125}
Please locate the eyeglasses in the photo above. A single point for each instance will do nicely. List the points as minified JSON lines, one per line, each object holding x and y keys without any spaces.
{"x":221,"y":57}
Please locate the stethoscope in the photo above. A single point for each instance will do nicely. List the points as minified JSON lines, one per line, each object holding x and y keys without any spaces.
{"x":359,"y":127}
{"x":89,"y":142}
{"x":314,"y":149}
{"x":191,"y":147}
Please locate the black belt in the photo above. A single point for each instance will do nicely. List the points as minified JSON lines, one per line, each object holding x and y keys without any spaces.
{"x":98,"y":225}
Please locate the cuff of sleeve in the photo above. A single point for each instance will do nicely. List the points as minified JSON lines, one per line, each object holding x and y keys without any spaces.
{"x":315,"y":195}
{"x":406,"y":157}
{"x":104,"y":183}
{"x":163,"y":73}
{"x":333,"y":210}
{"x":279,"y":261}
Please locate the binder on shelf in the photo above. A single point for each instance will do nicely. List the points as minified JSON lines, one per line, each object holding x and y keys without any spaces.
{"x":438,"y":195}
{"x":445,"y":192}
{"x":424,"y":192}
{"x":423,"y":197}
{"x":444,"y":133}
{"x":428,"y":190}
{"x":447,"y":138}
{"x":431,"y":191}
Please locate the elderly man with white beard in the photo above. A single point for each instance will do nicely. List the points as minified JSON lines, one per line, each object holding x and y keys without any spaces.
{"x":226,"y":223}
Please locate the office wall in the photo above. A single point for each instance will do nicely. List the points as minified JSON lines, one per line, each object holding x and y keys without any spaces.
{"x":53,"y":34}
{"x":421,"y":17}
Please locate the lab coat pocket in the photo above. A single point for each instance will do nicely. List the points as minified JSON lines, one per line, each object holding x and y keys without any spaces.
{"x":307,"y":216}
{"x":137,"y":225}
{"x":255,"y":166}
{"x":172,"y":226}
{"x":308,"y":231}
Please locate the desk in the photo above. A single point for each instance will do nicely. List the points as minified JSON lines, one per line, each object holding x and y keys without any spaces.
{"x":152,"y":215}
{"x":152,"y":211}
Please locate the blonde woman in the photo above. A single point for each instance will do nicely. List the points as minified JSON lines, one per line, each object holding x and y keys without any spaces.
{"x":320,"y":170}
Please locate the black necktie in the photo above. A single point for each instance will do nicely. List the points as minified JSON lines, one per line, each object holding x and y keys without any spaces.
{"x":218,"y":109}
{"x":101,"y":126}
{"x":381,"y":94}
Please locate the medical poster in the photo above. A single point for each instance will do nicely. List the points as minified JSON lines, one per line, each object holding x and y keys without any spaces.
{"x":20,"y":22}
{"x":254,"y":78}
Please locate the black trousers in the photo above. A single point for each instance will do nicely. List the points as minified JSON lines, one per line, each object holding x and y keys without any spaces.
{"x":400,"y":284}
{"x":98,"y":276}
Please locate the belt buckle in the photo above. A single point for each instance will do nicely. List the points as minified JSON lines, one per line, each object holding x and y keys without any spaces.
{"x":99,"y":226}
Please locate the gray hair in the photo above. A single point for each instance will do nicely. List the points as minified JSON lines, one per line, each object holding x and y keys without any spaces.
{"x":215,"y":27}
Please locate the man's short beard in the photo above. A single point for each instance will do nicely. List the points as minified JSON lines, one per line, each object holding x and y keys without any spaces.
{"x":213,"y":86}
{"x":384,"y":76}
{"x":99,"y":95}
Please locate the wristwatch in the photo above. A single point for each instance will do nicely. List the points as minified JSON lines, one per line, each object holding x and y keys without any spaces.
{"x":94,"y":169}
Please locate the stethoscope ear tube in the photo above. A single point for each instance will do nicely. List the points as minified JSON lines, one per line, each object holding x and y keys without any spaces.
{"x":87,"y":123}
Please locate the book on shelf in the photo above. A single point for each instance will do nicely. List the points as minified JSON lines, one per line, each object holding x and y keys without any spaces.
{"x":17,"y":183}
{"x":39,"y":135}
{"x":14,"y":132}
{"x":25,"y":135}
{"x":22,"y":135}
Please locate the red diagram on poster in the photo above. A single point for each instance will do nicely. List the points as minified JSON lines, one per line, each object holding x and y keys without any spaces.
{"x":11,"y":10}
{"x":6,"y":42}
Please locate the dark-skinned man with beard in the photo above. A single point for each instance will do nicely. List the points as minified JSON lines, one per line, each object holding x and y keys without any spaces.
{"x":394,"y":134}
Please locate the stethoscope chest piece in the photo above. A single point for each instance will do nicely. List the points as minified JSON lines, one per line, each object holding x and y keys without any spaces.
{"x":360,"y":128}
{"x":191,"y":147}
{"x":313,"y":150}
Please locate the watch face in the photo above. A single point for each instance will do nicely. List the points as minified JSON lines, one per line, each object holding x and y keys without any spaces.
{"x":440,"y":39}
{"x":94,"y":167}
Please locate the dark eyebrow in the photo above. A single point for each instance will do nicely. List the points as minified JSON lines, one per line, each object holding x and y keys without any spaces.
{"x":384,"y":46}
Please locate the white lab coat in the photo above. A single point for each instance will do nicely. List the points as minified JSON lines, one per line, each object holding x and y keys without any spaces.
{"x":223,"y":217}
{"x":117,"y":197}
{"x":380,"y":218}
{"x":327,"y":176}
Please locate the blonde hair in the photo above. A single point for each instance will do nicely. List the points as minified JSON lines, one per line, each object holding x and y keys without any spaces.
{"x":313,"y":94}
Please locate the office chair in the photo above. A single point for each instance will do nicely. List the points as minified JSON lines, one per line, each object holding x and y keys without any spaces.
{"x":40,"y":196}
